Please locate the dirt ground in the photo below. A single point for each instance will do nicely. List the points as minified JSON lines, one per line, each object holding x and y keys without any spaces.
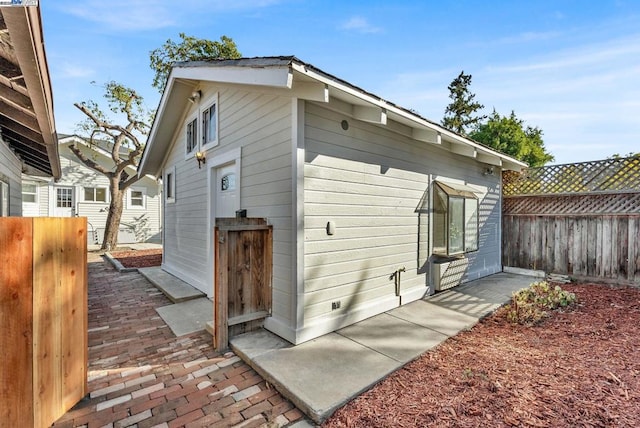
{"x":139,"y":258}
{"x":579,"y":368}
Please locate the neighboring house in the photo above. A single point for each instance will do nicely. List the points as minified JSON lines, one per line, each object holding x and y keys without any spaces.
{"x":84,"y":192}
{"x":366,"y":198}
{"x":27,"y":128}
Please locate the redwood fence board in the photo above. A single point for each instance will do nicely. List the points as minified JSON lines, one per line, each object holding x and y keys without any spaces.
{"x":43,"y":284}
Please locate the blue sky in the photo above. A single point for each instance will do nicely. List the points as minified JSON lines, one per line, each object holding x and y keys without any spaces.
{"x":571,"y":68}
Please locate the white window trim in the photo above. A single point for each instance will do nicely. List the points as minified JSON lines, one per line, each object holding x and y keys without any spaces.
{"x":168,"y":171}
{"x":106,"y":194}
{"x":144,"y":198}
{"x":36,"y":194}
{"x":196,"y":148}
{"x":5,"y":199}
{"x":208,"y":103}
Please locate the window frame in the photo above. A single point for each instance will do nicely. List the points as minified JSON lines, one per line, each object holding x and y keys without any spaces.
{"x":169,"y":183}
{"x":143,"y":198}
{"x":5,"y":197}
{"x":191,"y":128}
{"x":205,"y":119}
{"x":94,"y":200}
{"x":470,"y":221}
{"x":35,"y":193}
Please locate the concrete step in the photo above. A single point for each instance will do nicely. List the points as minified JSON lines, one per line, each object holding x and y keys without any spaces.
{"x":174,"y":288}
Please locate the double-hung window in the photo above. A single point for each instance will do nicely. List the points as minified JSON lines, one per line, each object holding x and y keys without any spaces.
{"x":210,"y":125}
{"x":455,"y":219}
{"x":192,"y":136}
{"x":136,"y":198}
{"x":29,"y":193}
{"x":95,"y":194}
{"x":170,"y":185}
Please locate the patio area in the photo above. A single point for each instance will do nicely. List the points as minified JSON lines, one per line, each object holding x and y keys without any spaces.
{"x":141,"y":374}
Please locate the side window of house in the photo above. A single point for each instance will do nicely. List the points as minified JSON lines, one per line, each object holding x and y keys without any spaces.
{"x":95,"y":194}
{"x":170,"y":185}
{"x":455,"y":219}
{"x":4,"y":198}
{"x":210,"y":124}
{"x":29,"y":193}
{"x":192,"y":136}
{"x":136,"y":198}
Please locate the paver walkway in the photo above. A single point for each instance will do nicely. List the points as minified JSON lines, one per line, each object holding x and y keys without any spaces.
{"x":141,"y":374}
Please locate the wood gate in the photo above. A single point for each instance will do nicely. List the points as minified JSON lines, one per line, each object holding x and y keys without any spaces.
{"x":244,"y":260}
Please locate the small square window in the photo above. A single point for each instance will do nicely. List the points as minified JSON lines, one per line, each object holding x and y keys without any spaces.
{"x":136,"y":198}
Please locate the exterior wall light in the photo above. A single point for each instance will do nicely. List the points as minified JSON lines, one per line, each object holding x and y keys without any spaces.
{"x":201,"y":158}
{"x":195,"y":96}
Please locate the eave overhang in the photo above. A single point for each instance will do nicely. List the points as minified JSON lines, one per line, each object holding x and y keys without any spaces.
{"x":288,"y":76}
{"x":26,"y":101}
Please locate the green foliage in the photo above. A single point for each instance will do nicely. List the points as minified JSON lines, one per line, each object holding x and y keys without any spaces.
{"x":188,"y":49}
{"x":531,"y":305}
{"x":460,"y":114}
{"x":509,"y":135}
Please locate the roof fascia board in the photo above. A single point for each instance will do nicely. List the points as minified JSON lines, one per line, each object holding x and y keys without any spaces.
{"x":276,"y":76}
{"x":421,"y":123}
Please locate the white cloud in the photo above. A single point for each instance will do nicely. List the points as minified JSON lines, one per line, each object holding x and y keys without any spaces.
{"x":360,"y":25}
{"x":72,"y":71}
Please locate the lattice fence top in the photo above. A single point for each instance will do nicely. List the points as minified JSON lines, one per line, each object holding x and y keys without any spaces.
{"x":605,"y":176}
{"x":582,"y":205}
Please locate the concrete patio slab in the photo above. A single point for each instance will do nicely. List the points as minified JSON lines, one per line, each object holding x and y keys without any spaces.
{"x":434,"y":317}
{"x":323,"y":374}
{"x":187,"y":317}
{"x":174,"y":288}
{"x":411,"y":339}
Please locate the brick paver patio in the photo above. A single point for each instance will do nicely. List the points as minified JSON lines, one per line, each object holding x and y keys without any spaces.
{"x":141,"y":375}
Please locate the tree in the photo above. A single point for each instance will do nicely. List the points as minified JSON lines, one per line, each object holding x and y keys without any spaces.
{"x":460,"y":115}
{"x":189,"y":49}
{"x":124,"y":142}
{"x":509,"y":135}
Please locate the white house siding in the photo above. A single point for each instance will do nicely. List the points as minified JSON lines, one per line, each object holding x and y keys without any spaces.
{"x":370,"y":182}
{"x":260,"y":125}
{"x":144,"y":222}
{"x":10,"y":170}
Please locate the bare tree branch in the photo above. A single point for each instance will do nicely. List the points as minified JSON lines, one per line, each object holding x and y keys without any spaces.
{"x":89,"y":162}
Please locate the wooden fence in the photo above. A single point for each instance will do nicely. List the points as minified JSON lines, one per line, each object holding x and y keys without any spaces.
{"x":43,"y":318}
{"x":603,"y":247}
{"x":243,"y":276}
{"x":581,"y":220}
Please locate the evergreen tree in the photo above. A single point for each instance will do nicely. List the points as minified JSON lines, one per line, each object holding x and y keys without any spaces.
{"x":460,"y":115}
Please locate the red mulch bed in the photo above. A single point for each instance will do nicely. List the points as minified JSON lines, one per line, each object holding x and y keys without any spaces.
{"x":579,"y":368}
{"x":138,"y":258}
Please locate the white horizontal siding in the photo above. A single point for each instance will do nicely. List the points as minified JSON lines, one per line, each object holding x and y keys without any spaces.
{"x":260,"y":125}
{"x":372,"y":182}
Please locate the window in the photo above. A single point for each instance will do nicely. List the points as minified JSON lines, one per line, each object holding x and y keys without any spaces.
{"x":136,"y":198}
{"x":4,"y":198}
{"x":29,"y":193}
{"x":228,"y":182}
{"x":210,"y":125}
{"x":455,"y":219}
{"x":192,"y":136}
{"x":64,"y":197}
{"x":95,"y":194}
{"x":170,"y":185}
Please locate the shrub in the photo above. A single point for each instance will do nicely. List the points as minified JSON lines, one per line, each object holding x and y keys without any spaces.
{"x":531,"y":305}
